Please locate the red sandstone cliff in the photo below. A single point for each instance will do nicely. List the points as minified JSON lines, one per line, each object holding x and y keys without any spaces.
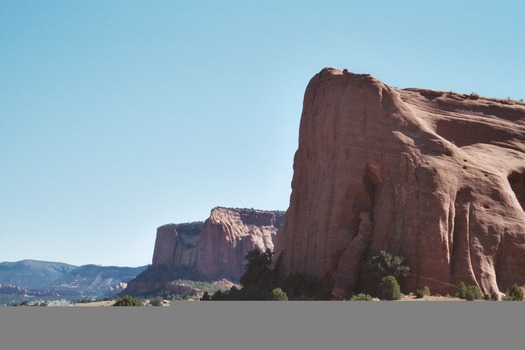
{"x":436,"y":177}
{"x":212,"y":250}
{"x":228,"y":235}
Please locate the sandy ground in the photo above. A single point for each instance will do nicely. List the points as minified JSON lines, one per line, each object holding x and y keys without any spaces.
{"x":96,"y":303}
{"x":405,"y":298}
{"x":412,"y":297}
{"x":108,"y":303}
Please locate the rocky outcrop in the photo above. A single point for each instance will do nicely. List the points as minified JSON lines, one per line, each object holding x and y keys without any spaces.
{"x":436,"y":177}
{"x":209,"y":250}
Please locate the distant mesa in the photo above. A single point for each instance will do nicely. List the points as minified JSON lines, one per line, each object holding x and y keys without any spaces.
{"x":436,"y":177}
{"x":211,"y":250}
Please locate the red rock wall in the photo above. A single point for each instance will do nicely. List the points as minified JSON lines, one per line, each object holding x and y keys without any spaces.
{"x":216,"y":248}
{"x":418,"y":173}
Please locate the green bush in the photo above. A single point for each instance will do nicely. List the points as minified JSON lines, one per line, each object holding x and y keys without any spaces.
{"x":473,"y":293}
{"x":278,"y":295}
{"x":128,"y":300}
{"x":380,"y":266}
{"x":462,"y":290}
{"x":494,"y":296}
{"x":361,"y":297}
{"x":157,"y":301}
{"x":515,"y":293}
{"x":389,"y":289}
{"x":421,"y":293}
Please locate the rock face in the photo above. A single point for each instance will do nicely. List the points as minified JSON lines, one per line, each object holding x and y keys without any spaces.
{"x":436,"y":177}
{"x":216,"y":248}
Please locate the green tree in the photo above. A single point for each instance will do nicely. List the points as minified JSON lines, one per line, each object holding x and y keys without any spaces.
{"x":389,"y":289}
{"x":128,"y":300}
{"x":260,"y":281}
{"x":380,"y":266}
{"x":462,"y":290}
{"x":278,"y":294}
{"x":257,"y":270}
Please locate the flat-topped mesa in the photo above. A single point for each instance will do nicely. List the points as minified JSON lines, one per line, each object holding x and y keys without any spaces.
{"x":433,"y":176}
{"x":215,"y":248}
{"x":211,"y":250}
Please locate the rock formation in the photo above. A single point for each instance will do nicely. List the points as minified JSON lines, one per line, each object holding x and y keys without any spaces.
{"x":210,"y":250}
{"x":436,"y":177}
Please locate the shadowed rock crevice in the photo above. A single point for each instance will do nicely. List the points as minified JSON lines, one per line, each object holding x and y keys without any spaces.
{"x":517,"y":183}
{"x":371,"y":181}
{"x":461,"y":260}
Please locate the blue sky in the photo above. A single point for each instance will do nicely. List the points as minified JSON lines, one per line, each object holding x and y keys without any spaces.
{"x":119,"y":116}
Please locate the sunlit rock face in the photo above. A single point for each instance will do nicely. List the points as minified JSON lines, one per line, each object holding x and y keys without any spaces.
{"x":216,"y":248}
{"x":436,"y":177}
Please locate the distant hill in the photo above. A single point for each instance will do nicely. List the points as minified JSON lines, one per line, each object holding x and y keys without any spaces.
{"x":44,"y":278}
{"x":32,"y":274}
{"x":95,"y":280}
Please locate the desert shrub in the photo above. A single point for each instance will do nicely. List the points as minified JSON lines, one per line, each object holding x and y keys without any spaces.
{"x":380,"y":266}
{"x":278,"y":295}
{"x":515,"y":293}
{"x":494,"y":296}
{"x":128,"y":300}
{"x":462,"y":290}
{"x":421,"y":293}
{"x":157,"y":301}
{"x":389,"y":289}
{"x":236,"y":294}
{"x":473,"y":293}
{"x":361,"y":297}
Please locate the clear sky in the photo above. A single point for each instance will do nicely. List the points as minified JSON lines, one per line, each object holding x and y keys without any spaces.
{"x":117,"y":117}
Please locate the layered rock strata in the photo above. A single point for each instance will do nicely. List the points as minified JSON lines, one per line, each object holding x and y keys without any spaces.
{"x":437,"y":177}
